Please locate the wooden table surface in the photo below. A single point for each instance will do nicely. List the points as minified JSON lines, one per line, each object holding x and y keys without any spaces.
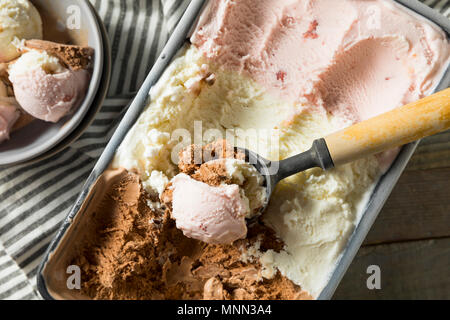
{"x":410,"y":241}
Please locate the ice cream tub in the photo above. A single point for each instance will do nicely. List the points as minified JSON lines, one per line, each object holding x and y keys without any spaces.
{"x":55,"y":269}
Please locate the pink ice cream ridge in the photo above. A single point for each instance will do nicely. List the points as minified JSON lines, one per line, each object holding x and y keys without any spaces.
{"x":354,"y":59}
{"x":212,"y":214}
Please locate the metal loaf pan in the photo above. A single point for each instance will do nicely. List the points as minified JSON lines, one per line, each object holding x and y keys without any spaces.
{"x":51,"y":278}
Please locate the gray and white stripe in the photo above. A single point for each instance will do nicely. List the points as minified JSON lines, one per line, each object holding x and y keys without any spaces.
{"x":35,"y":198}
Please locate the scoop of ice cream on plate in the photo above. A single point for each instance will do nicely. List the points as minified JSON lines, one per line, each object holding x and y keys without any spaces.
{"x":50,"y":80}
{"x":9,"y":109}
{"x":9,"y":112}
{"x":211,"y":201}
{"x":18,"y":19}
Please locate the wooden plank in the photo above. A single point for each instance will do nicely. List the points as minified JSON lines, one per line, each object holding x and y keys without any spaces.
{"x":410,"y":270}
{"x":418,"y":208}
{"x":433,"y":152}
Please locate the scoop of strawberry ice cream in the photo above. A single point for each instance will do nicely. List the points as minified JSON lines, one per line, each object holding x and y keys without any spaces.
{"x":212,"y":214}
{"x":9,"y":114}
{"x":210,"y":200}
{"x":44,"y":88}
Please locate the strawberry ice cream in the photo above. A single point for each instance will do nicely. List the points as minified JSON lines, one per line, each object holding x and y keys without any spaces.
{"x":207,"y":213}
{"x":212,"y":197}
{"x":45,"y":88}
{"x":9,"y":114}
{"x":355,"y":59}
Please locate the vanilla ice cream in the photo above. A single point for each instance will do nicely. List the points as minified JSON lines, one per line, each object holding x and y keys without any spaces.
{"x":18,"y":19}
{"x":272,"y":76}
{"x":44,"y":88}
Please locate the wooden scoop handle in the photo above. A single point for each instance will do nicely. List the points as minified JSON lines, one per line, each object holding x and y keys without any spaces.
{"x":403,"y":125}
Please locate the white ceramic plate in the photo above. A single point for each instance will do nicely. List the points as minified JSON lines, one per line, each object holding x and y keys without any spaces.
{"x":39,"y":136}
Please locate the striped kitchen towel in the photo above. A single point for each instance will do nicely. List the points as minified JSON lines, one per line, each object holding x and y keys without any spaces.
{"x":34,"y":199}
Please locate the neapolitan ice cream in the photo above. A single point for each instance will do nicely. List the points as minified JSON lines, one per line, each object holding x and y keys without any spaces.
{"x":45,"y":80}
{"x":45,"y":88}
{"x":18,"y":19}
{"x":270,"y":76}
{"x":129,"y":250}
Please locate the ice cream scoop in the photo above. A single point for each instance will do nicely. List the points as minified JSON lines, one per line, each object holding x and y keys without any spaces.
{"x":210,"y":202}
{"x":18,"y":19}
{"x":403,"y":125}
{"x":45,"y":87}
